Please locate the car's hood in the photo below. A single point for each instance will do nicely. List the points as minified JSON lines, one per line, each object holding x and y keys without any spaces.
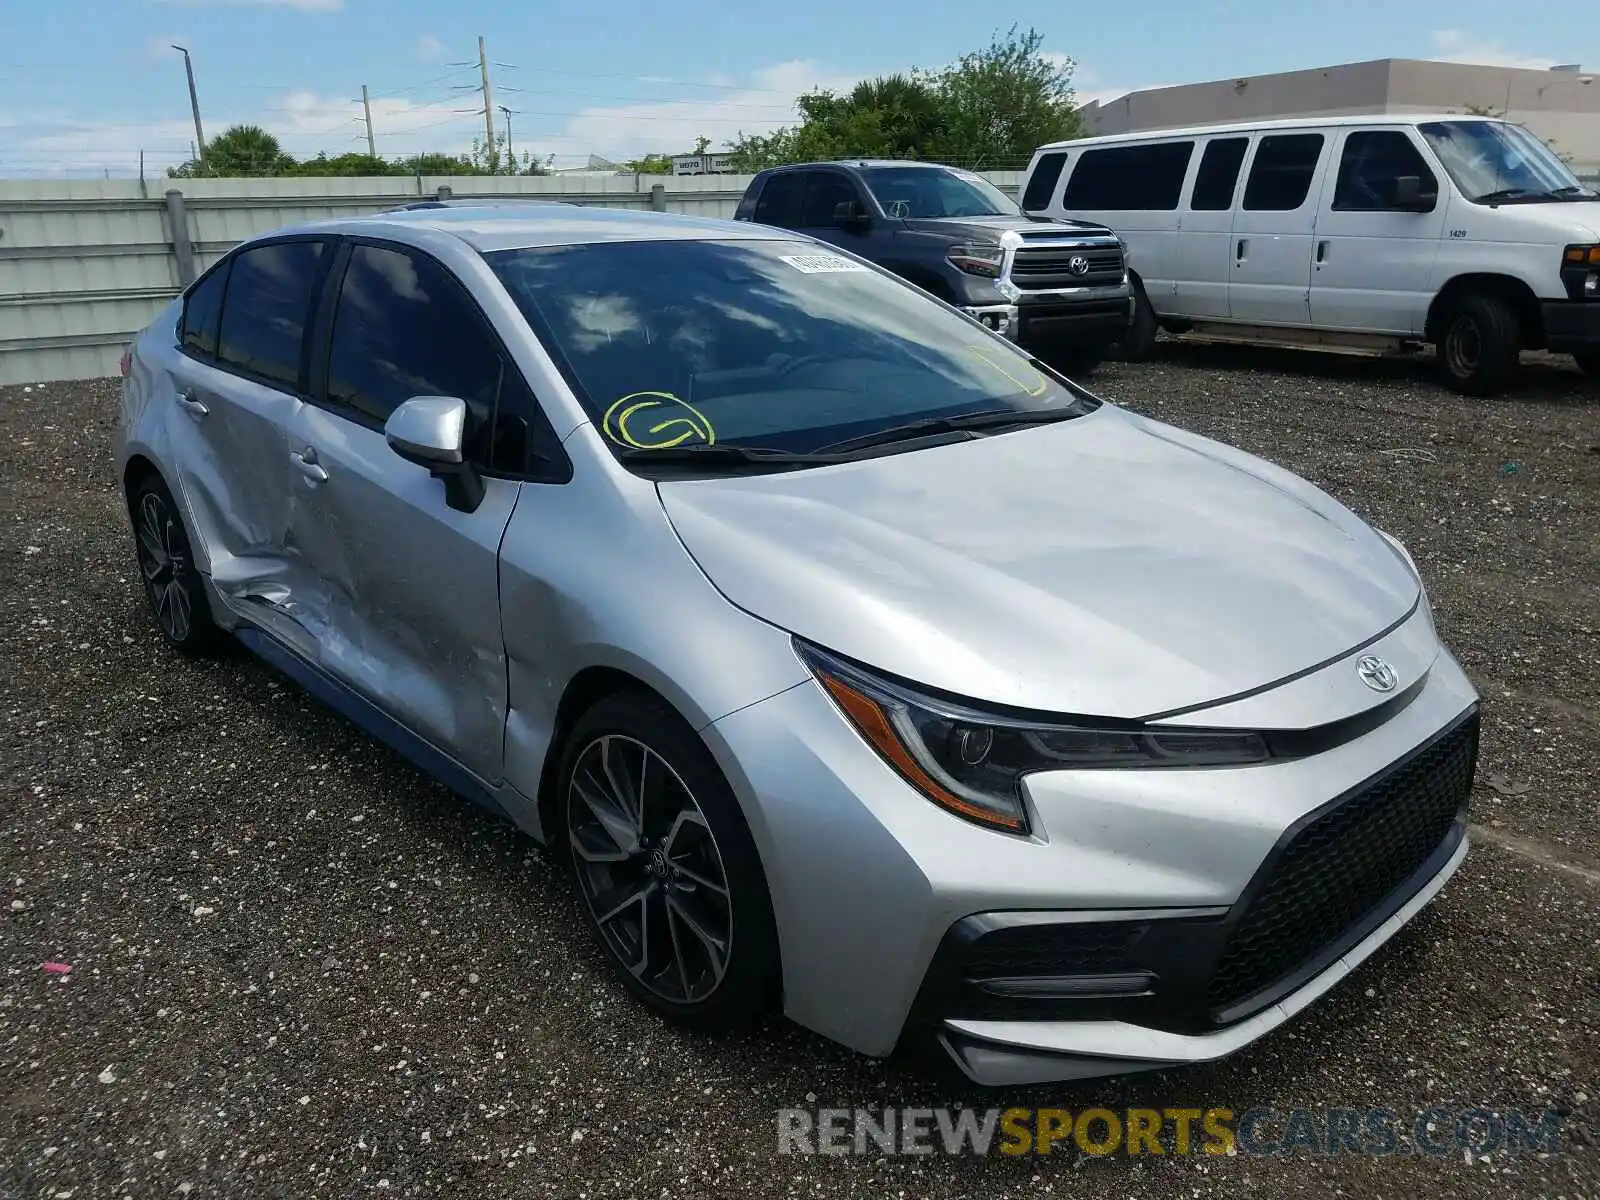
{"x":1554,"y":223}
{"x":993,"y":227}
{"x":1106,"y":565}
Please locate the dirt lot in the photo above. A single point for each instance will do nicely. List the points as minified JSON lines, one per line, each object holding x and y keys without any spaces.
{"x":301,"y":969}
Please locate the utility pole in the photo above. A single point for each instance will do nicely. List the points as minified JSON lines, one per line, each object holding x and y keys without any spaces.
{"x":511,"y":155}
{"x":366,"y":107}
{"x":194,"y":106}
{"x":488,"y":100}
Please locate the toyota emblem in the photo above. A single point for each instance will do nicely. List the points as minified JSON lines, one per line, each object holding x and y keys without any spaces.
{"x":1078,"y":265}
{"x":1376,"y":674}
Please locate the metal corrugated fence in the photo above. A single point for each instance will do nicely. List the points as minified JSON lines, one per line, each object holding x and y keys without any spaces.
{"x":85,"y":264}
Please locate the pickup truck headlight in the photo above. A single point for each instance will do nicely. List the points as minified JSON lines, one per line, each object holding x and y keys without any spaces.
{"x":971,"y":762}
{"x":977,"y":258}
{"x":1580,"y":268}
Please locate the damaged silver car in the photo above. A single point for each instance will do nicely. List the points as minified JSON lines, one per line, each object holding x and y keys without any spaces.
{"x":858,"y":665}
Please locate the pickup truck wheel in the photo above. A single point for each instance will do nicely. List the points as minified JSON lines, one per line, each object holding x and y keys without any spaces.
{"x":1137,"y":343}
{"x":1480,"y":344}
{"x":1588,"y":362}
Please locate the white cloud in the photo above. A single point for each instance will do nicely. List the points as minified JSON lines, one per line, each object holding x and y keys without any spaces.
{"x":1456,"y":46}
{"x":429,"y":48}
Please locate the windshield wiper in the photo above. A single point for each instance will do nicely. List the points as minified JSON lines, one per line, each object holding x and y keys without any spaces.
{"x":1573,"y":189}
{"x":988,"y":418}
{"x":702,"y":453}
{"x":1515,"y":193}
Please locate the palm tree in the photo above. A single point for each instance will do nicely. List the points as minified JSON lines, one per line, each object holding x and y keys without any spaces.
{"x":246,"y":150}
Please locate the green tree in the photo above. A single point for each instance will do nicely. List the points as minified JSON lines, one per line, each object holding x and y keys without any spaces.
{"x":241,"y":150}
{"x":650,"y":164}
{"x":992,"y":107}
{"x":348,"y":166}
{"x":998,"y":105}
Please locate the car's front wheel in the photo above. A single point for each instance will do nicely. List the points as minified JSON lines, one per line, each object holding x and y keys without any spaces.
{"x":1588,"y":362}
{"x":667,"y":873}
{"x":1480,"y":344}
{"x":172,"y":583}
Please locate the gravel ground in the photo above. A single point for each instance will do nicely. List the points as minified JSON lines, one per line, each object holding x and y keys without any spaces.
{"x":301,"y":969}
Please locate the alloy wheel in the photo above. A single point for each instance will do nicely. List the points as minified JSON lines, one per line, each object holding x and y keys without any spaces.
{"x":649,"y":869}
{"x":164,"y":562}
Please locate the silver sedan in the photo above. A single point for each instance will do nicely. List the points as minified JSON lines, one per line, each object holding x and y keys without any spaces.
{"x":860,"y":666}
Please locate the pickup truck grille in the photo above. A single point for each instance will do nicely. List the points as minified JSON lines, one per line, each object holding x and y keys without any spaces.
{"x":1041,"y":267}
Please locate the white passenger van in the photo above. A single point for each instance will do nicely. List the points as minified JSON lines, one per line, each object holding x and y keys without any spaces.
{"x":1365,"y":233}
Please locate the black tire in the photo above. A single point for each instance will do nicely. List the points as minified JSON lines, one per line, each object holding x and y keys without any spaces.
{"x":172,"y":584}
{"x":652,"y":941}
{"x":1139,"y":342}
{"x":1480,"y":344}
{"x":1588,"y":362}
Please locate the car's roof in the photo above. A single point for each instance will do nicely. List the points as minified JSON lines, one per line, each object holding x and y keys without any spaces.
{"x":865,"y":162}
{"x":515,"y":226}
{"x":1177,"y":131}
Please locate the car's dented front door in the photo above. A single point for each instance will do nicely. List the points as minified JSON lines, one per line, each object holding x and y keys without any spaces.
{"x":408,"y":609}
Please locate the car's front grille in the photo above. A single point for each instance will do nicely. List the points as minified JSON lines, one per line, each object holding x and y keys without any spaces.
{"x":1036,"y":266}
{"x":1343,"y":865}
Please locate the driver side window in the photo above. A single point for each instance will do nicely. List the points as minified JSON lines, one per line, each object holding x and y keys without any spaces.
{"x":405,"y":327}
{"x":1371,"y":167}
{"x":825,"y":191}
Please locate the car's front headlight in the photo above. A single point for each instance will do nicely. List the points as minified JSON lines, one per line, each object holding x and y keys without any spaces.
{"x":977,"y":258}
{"x":971,"y":762}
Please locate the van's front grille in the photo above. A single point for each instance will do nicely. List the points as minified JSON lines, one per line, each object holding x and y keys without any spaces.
{"x":1037,"y":267}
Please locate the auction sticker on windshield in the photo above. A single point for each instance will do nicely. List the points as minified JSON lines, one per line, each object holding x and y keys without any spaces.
{"x":820,"y":264}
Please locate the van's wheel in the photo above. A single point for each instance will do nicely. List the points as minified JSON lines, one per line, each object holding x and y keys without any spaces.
{"x":1480,"y":344}
{"x":1588,"y":362}
{"x":667,"y":873}
{"x":1139,"y":341}
{"x":172,"y":584}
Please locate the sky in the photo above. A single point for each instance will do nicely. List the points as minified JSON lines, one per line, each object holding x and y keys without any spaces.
{"x":85,"y":85}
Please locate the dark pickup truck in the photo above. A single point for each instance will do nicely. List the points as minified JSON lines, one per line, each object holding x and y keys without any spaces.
{"x":1058,"y":288}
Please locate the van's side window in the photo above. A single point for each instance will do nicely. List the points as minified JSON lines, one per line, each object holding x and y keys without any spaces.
{"x":1370,"y":170}
{"x":1130,"y":178}
{"x":1280,"y":177}
{"x":1218,"y":175}
{"x":1042,"y":183}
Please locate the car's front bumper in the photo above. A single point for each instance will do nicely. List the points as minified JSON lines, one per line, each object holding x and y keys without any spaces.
{"x":1072,"y":316}
{"x":868,"y":877}
{"x":1572,"y":326}
{"x":1005,"y":1053}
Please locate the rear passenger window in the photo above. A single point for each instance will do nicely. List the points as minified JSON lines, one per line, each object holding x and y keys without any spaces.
{"x":1214,"y":183}
{"x":1042,"y":183}
{"x":202,"y":311}
{"x":1130,"y":178}
{"x":267,"y":306}
{"x":1280,"y":177}
{"x":780,"y":201}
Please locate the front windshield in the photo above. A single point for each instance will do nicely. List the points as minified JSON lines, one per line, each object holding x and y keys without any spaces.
{"x":912,"y":192}
{"x":1490,"y":159}
{"x":777,"y":344}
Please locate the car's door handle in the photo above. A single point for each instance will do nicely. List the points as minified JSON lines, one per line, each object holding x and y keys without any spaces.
{"x":306,"y":463}
{"x":1239,"y":251}
{"x":192,"y":405}
{"x":1322,"y":253}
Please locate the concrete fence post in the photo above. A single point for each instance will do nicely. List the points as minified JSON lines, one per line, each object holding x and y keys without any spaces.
{"x":658,"y":197}
{"x":182,"y":247}
{"x":444,"y":193}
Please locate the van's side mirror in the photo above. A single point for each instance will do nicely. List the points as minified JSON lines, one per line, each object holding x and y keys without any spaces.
{"x":848,"y":214}
{"x":431,"y":431}
{"x":1409,"y":196}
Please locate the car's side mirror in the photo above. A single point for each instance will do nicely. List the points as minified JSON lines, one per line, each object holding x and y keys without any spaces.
{"x":1409,"y":196}
{"x":431,"y":431}
{"x":848,"y":214}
